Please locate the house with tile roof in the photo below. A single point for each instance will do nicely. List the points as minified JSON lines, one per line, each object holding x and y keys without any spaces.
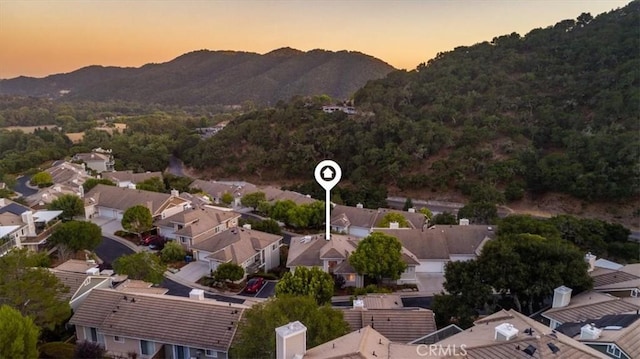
{"x":80,"y":285}
{"x":360,"y":222}
{"x":332,"y":256}
{"x":505,"y":334}
{"x":216,"y":189}
{"x":620,"y":280}
{"x":22,"y":227}
{"x":196,"y":224}
{"x":112,"y":202}
{"x":154,"y":326}
{"x":387,"y":315}
{"x":129,"y":178}
{"x":274,"y":194}
{"x":98,"y":160}
{"x":600,"y":320}
{"x":252,"y":250}
{"x":67,"y":178}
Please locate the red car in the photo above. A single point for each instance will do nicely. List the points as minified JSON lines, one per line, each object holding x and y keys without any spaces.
{"x":254,"y":285}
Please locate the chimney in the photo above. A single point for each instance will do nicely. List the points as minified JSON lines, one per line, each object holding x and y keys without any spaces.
{"x":359,"y":205}
{"x":505,"y":332}
{"x":27,"y":218}
{"x":561,"y":297}
{"x":591,"y":260}
{"x":358,"y":304}
{"x":246,"y":226}
{"x":2,"y":202}
{"x":175,"y":193}
{"x":93,"y":271}
{"x":197,"y":294}
{"x":590,"y":332}
{"x":81,"y":191}
{"x":411,"y":210}
{"x":291,"y":341}
{"x":463,"y":222}
{"x":394,"y":225}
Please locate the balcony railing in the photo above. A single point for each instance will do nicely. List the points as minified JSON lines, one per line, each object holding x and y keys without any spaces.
{"x":41,"y":236}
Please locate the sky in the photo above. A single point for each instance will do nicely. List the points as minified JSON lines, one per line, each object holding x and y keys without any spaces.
{"x":39,"y":38}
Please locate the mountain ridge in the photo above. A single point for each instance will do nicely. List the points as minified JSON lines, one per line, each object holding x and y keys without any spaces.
{"x":213,"y":76}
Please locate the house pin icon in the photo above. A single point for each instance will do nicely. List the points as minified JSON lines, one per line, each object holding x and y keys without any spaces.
{"x":328,"y":173}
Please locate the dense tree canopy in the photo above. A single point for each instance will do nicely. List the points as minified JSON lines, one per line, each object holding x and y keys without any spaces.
{"x":74,"y":236}
{"x":18,"y":334}
{"x":32,"y":290}
{"x":137,"y":219}
{"x":379,"y":256}
{"x":145,"y":266}
{"x":313,"y":282}
{"x":70,"y":205}
{"x":256,"y":334}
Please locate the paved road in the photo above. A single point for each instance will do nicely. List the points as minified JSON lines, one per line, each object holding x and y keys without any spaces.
{"x":22,"y":188}
{"x":108,"y":250}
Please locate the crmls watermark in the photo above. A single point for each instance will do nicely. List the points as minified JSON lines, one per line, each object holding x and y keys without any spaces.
{"x":424,"y":350}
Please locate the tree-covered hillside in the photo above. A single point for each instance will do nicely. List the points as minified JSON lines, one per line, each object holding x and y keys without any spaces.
{"x":213,"y":77}
{"x":556,"y":110}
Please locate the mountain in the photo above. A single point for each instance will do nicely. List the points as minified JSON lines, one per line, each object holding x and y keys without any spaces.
{"x":213,"y":77}
{"x":555,"y":111}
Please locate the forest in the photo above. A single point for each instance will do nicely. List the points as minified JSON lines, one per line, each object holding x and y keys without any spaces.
{"x":555,"y":110}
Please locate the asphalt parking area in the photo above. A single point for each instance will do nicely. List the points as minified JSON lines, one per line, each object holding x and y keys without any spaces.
{"x":267,"y":290}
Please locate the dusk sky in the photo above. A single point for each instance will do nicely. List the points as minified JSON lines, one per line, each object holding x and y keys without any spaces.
{"x":38,"y":38}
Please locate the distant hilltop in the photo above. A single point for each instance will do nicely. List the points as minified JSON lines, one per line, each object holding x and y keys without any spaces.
{"x":213,"y":77}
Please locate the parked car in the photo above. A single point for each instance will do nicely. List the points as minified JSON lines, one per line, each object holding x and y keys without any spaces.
{"x":157,"y":243}
{"x":254,"y":285}
{"x":146,"y":240}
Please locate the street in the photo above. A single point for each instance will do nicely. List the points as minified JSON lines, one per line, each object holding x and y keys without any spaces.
{"x":109,"y":250}
{"x":22,"y":188}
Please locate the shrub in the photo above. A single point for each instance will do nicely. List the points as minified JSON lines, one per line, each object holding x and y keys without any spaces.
{"x":89,"y":350}
{"x":228,"y":272}
{"x":172,"y":252}
{"x":55,"y":350}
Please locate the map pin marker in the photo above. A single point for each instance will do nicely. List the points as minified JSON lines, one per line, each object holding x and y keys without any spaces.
{"x":327,"y":174}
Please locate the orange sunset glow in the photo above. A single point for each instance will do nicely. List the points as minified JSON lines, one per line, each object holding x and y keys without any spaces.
{"x":38,"y":38}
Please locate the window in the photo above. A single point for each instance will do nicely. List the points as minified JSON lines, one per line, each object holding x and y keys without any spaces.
{"x":635,"y":293}
{"x":146,"y":347}
{"x":93,"y":335}
{"x":350,"y":277}
{"x":211,"y":353}
{"x":179,"y":352}
{"x":183,"y":240}
{"x":118,"y":339}
{"x":613,"y":350}
{"x":273,"y":247}
{"x":180,"y":226}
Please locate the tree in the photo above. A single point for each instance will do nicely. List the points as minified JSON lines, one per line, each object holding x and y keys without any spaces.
{"x":408,"y":203}
{"x":255,"y":337}
{"x":42,"y":179}
{"x":378,"y":255}
{"x":137,"y":219}
{"x":445,"y":218}
{"x":529,"y":267}
{"x":253,"y":199}
{"x":74,"y":236}
{"x":391,"y":217}
{"x":313,"y":282}
{"x":92,"y":182}
{"x":427,"y":213}
{"x":18,"y":334}
{"x":172,"y":252}
{"x":228,"y":272}
{"x":88,"y":350}
{"x":153,"y":184}
{"x":267,"y":225}
{"x":142,"y":265}
{"x":32,"y":290}
{"x":227,"y":198}
{"x":70,"y":205}
{"x":479,"y":213}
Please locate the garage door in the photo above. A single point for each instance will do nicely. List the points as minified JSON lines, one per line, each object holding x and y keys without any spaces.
{"x":430,"y":267}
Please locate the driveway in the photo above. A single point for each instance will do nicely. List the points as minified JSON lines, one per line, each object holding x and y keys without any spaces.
{"x":108,"y":225}
{"x":193,"y":271}
{"x":430,"y":283}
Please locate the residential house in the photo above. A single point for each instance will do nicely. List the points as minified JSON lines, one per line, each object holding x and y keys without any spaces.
{"x":98,"y":160}
{"x":332,"y":256}
{"x":129,"y":178}
{"x":81,"y":277}
{"x":349,"y":110}
{"x":157,"y":326}
{"x":602,"y":321}
{"x":196,"y":224}
{"x":360,"y":222}
{"x":112,"y":202}
{"x":252,"y":250}
{"x":67,"y":178}
{"x":387,"y":314}
{"x":505,"y":334}
{"x":216,"y":189}
{"x":139,"y":286}
{"x":274,"y":194}
{"x":21,"y":227}
{"x":617,"y":280}
{"x":439,"y":244}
